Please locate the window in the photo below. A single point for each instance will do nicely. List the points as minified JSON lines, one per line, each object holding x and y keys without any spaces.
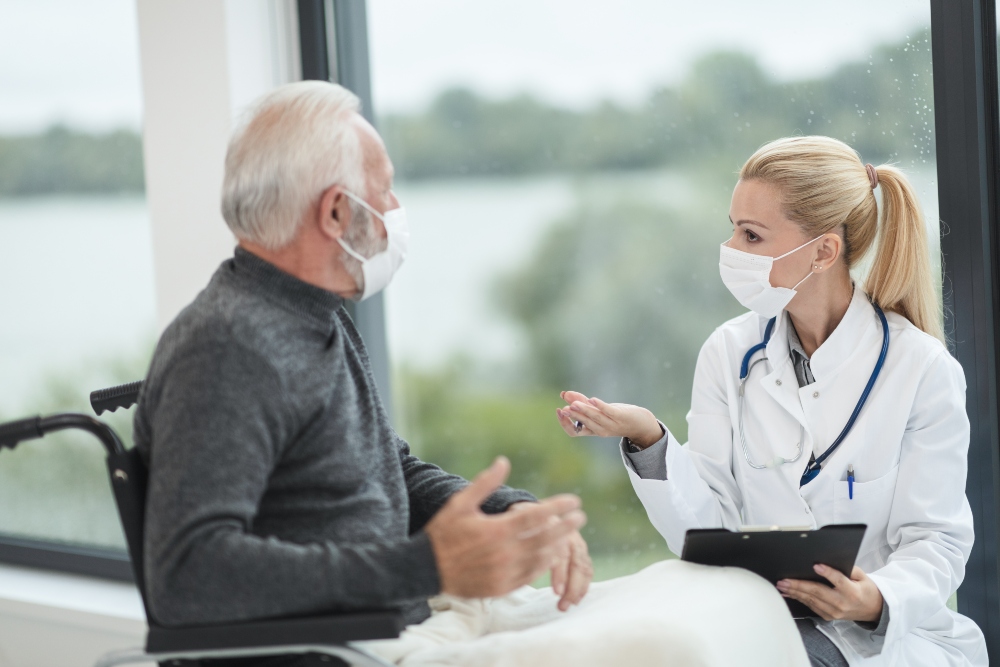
{"x":965,"y":91}
{"x":75,"y":255}
{"x":567,"y":171}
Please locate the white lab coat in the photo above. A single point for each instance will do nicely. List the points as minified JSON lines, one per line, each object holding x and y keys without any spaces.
{"x":908,"y":448}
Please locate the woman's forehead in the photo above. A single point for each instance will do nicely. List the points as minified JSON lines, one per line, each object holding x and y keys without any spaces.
{"x":759,"y":204}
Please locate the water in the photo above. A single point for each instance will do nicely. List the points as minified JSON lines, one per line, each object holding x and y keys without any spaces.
{"x":77,"y":279}
{"x":465,"y":233}
{"x":76,"y":285}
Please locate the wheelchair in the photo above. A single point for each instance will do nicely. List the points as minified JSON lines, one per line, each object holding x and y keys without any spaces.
{"x":329,"y":636}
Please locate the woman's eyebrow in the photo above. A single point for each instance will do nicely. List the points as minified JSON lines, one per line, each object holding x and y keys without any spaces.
{"x":749,"y":222}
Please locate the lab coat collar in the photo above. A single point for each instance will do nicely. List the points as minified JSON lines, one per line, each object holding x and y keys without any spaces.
{"x":781,"y":382}
{"x":783,"y":388}
{"x":777,"y":351}
{"x":850,"y":336}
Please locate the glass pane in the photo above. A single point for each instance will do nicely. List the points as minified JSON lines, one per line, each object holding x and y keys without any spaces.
{"x":568,"y":171}
{"x":76,"y":282}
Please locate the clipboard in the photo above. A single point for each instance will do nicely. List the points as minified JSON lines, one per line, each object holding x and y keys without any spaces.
{"x":777,"y":553}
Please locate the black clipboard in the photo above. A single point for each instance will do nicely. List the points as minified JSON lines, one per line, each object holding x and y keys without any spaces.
{"x":778,"y":553}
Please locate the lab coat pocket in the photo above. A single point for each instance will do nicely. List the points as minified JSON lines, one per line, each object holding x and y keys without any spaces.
{"x":870,"y":505}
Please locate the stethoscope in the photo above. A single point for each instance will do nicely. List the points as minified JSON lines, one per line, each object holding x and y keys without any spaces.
{"x":815,"y":463}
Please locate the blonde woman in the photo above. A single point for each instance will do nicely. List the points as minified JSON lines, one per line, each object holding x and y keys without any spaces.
{"x":830,"y":402}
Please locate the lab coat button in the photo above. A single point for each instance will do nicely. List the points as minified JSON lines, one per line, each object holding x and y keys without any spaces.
{"x":815,"y":394}
{"x":777,"y":382}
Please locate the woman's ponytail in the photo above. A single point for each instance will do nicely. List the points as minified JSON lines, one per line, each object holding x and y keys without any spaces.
{"x":900,"y":277}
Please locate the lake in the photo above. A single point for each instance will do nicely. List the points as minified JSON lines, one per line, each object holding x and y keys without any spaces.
{"x":77,"y":279}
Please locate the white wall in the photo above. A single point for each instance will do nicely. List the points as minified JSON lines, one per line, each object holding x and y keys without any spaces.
{"x":203,"y":62}
{"x":60,"y":620}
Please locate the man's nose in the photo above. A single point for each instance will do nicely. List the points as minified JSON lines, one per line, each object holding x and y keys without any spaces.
{"x":393,"y":201}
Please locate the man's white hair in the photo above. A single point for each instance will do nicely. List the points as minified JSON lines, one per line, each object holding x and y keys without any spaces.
{"x":293,"y":144}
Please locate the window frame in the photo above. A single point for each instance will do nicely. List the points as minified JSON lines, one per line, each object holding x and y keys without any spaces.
{"x":964,"y":60}
{"x":343,"y":25}
{"x":112,"y":564}
{"x":334,"y":46}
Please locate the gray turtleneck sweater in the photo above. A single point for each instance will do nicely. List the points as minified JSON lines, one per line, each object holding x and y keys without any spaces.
{"x":276,"y":484}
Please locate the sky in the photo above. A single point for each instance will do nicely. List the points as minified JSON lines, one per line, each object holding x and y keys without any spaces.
{"x":71,"y":61}
{"x":77,"y":61}
{"x":575,"y":52}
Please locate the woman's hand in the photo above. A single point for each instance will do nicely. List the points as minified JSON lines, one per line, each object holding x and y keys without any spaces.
{"x":854,"y":599}
{"x":617,"y":420}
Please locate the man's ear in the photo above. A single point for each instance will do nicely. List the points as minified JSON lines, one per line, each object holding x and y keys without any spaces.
{"x":333,"y":216}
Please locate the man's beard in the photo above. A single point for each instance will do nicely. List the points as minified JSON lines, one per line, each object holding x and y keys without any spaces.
{"x":361,"y":236}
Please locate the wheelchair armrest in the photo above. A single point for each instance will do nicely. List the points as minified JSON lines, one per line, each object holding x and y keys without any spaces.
{"x":333,"y":629}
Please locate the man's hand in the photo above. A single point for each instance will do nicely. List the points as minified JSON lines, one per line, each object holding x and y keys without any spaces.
{"x":573,"y":571}
{"x":479,"y":555}
{"x":854,"y":599}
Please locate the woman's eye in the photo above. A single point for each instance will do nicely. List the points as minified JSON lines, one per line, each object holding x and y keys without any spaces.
{"x":751,"y":237}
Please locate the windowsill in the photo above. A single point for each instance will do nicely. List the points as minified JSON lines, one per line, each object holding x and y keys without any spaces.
{"x":70,"y":620}
{"x":68,"y":599}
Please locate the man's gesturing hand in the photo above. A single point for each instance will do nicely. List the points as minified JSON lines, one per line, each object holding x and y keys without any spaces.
{"x":480,"y":555}
{"x":572,"y":571}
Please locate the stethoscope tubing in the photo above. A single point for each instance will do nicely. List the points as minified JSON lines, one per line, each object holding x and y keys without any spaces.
{"x":743,"y":440}
{"x":745,"y":366}
{"x":815,"y":465}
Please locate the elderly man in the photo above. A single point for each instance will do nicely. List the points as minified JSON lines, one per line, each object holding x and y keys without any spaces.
{"x":277,"y":485}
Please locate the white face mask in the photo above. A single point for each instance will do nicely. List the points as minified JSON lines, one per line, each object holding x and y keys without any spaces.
{"x":379,"y":269}
{"x":748,"y":277}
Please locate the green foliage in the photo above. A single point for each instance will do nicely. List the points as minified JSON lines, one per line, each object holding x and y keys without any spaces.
{"x":463,"y":430}
{"x":65,"y":161}
{"x":618,"y":298}
{"x":725,"y":108}
{"x":621,"y":291}
{"x":721,"y":112}
{"x":57,"y":488}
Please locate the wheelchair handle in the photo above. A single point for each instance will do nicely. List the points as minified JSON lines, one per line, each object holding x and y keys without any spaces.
{"x":112,"y":398}
{"x":12,"y":433}
{"x":32,"y":428}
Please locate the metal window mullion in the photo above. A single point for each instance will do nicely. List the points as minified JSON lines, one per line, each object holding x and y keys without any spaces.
{"x":349,"y":54}
{"x":963,"y":36}
{"x":312,"y":40}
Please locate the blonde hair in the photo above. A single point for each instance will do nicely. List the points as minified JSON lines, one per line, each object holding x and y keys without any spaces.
{"x":825,"y":188}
